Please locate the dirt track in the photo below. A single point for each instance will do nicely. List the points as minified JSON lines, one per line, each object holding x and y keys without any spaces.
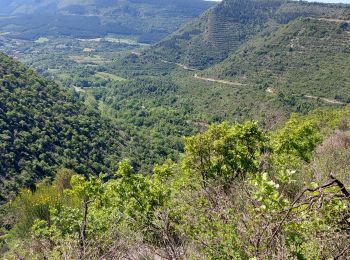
{"x":232,"y":83}
{"x":333,"y":20}
{"x":326,"y":100}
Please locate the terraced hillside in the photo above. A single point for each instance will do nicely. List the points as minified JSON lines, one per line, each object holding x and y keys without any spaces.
{"x":309,"y":56}
{"x":223,"y":29}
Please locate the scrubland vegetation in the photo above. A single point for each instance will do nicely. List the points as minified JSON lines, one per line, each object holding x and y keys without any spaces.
{"x":229,"y":139}
{"x":238,"y":192}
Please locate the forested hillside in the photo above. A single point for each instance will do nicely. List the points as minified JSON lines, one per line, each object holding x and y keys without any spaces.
{"x":44,"y":128}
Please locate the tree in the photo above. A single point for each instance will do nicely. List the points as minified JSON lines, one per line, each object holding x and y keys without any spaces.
{"x":225,"y":152}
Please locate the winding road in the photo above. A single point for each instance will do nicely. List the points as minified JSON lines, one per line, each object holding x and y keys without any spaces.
{"x":269,"y":90}
{"x":326,"y":100}
{"x":333,"y":20}
{"x":226,"y":82}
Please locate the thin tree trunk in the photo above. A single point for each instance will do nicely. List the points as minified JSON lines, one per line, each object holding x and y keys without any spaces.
{"x":83,"y":231}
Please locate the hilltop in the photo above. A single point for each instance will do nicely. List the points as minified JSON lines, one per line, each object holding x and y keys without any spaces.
{"x":307,"y":57}
{"x":223,"y":29}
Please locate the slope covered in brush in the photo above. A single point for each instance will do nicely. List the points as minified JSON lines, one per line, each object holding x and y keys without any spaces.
{"x":308,"y":57}
{"x":237,"y":193}
{"x":43,"y":128}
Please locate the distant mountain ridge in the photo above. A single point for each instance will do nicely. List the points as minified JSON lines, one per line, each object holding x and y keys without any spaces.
{"x":14,"y":7}
{"x":149,"y":20}
{"x":224,"y":28}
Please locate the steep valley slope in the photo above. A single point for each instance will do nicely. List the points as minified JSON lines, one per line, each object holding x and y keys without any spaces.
{"x":43,"y":129}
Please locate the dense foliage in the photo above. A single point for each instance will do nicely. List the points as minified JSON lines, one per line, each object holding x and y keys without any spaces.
{"x":237,"y":193}
{"x":289,"y":68}
{"x":43,"y":127}
{"x":277,"y":189}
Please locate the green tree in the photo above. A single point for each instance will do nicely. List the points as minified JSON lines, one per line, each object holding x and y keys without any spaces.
{"x":225,"y":152}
